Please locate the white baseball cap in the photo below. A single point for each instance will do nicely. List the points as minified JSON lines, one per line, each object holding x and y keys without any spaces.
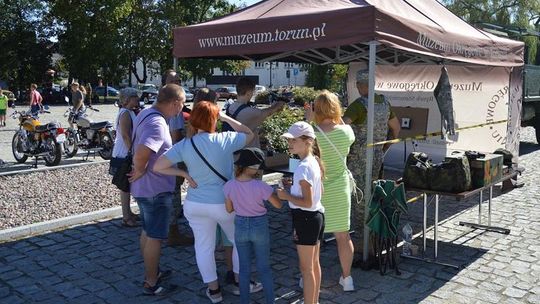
{"x":298,"y":129}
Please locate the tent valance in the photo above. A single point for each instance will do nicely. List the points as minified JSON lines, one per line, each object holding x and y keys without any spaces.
{"x":322,"y":32}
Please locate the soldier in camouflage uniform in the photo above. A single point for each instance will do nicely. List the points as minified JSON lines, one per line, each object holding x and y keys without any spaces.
{"x":385,"y":125}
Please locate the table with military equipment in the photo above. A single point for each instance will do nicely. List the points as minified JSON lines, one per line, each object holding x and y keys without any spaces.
{"x":459,"y":196}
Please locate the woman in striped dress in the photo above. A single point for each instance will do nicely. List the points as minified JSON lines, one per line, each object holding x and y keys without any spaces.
{"x":334,"y":146}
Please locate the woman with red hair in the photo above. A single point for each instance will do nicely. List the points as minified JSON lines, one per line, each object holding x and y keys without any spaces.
{"x":209,"y":159}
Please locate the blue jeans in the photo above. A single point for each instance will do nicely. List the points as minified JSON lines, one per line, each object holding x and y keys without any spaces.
{"x":252,"y":234}
{"x":155,"y":213}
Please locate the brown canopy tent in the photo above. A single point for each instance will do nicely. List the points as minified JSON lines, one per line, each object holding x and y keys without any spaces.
{"x":341,"y":31}
{"x":315,"y":31}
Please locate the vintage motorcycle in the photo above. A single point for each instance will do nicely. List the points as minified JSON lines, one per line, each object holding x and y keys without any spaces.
{"x":88,"y":135}
{"x":34,"y":139}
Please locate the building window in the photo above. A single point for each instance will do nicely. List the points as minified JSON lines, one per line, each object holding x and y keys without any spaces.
{"x":259,"y":65}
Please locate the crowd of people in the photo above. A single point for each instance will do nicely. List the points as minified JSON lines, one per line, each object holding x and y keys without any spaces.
{"x":225,"y":201}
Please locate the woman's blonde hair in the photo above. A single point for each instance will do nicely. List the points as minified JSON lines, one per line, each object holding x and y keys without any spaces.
{"x":326,"y":106}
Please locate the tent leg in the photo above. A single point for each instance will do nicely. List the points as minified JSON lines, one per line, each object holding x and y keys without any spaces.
{"x":369,"y":152}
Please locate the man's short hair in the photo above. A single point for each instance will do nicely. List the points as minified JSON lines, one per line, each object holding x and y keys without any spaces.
{"x":171,"y":93}
{"x":244,"y":84}
{"x":166,"y":75}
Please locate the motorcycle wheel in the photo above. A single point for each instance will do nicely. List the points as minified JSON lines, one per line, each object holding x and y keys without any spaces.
{"x":55,"y":154}
{"x":70,"y":145}
{"x":106,"y":140}
{"x":16,"y":148}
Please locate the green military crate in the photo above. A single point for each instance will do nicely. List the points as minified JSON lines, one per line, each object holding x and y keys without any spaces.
{"x":486,"y":170}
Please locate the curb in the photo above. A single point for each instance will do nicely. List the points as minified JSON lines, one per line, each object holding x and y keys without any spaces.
{"x":13,"y":234}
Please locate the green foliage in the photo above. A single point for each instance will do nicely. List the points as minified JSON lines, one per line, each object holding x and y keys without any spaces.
{"x":274,"y":126}
{"x":24,"y":54}
{"x":329,"y":77}
{"x":262,"y":97}
{"x":516,"y":14}
{"x":303,"y":95}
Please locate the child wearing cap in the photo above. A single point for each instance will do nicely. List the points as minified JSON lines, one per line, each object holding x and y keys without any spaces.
{"x":306,"y":207}
{"x":246,"y":194}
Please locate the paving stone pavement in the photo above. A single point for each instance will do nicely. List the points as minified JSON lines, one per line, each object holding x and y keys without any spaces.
{"x":100,"y":262}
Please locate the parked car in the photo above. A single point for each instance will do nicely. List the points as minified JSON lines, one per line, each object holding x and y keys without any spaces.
{"x":105,"y":94}
{"x":259,"y":89}
{"x":189,"y":95}
{"x":149,"y":93}
{"x":51,"y":95}
{"x":226,"y":93}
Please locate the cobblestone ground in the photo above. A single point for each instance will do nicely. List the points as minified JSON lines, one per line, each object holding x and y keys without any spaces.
{"x":100,"y":262}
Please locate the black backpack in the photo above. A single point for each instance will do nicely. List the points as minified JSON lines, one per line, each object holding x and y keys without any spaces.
{"x":227,"y":127}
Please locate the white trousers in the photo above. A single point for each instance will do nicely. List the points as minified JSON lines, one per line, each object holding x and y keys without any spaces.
{"x":203,"y":220}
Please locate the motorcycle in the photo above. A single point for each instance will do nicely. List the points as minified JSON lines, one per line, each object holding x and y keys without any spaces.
{"x":34,"y":139}
{"x":87,"y":135}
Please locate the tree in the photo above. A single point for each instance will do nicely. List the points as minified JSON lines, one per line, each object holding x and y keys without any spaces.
{"x":185,"y":12}
{"x":90,"y":37}
{"x":24,"y":53}
{"x":520,"y":14}
{"x":329,"y":77}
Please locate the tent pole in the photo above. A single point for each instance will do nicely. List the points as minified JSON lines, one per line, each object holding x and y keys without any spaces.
{"x":369,"y":150}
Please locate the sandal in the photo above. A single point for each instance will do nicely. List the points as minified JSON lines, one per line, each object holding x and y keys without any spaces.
{"x":130,"y":223}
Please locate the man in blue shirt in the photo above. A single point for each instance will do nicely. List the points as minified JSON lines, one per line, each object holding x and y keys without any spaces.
{"x":177,"y":130}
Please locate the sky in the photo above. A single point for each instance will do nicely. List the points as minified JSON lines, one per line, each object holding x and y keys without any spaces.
{"x":247,"y":2}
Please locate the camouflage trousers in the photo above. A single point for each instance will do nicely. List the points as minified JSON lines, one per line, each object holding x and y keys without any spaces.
{"x":356,"y":162}
{"x":177,"y":209}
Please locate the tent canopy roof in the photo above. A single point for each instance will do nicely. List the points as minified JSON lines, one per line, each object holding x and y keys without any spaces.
{"x":339,"y":31}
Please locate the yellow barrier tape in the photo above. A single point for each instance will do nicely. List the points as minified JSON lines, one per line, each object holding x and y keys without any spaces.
{"x":425,"y":136}
{"x":414,"y":199}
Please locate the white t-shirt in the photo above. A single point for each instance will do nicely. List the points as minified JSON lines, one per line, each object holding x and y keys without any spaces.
{"x":120,"y":149}
{"x":308,"y":170}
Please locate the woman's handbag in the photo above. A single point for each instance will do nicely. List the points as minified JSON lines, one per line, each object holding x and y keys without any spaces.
{"x":120,"y":178}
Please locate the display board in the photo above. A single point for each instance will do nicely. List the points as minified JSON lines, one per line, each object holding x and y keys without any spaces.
{"x":480,"y":95}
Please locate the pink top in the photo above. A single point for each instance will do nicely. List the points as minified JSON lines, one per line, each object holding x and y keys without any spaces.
{"x":247,"y":197}
{"x":36,"y":98}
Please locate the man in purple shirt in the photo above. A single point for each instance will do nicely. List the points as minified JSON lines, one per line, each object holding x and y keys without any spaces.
{"x":153,"y":191}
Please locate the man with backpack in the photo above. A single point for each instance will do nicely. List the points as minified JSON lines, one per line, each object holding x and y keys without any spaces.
{"x":247,"y":115}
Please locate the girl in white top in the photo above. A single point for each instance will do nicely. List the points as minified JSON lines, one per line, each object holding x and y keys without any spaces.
{"x":306,"y":208}
{"x":129,"y":100}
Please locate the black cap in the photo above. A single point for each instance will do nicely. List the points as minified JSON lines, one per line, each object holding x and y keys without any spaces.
{"x":249,"y":157}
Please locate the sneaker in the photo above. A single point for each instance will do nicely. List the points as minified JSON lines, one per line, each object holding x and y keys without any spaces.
{"x":346,"y":283}
{"x":229,"y":279}
{"x":253,"y":287}
{"x":156,"y":290}
{"x":163,"y":275}
{"x":214,"y":295}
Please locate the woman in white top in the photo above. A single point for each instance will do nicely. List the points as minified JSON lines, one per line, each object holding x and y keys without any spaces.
{"x":306,"y":207}
{"x":129,"y":100}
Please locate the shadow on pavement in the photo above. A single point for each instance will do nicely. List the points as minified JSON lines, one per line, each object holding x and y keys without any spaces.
{"x":101,"y":263}
{"x":528,"y":147}
{"x":80,"y":158}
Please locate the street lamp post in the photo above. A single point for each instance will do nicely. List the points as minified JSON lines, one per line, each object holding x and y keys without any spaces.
{"x":270,"y":65}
